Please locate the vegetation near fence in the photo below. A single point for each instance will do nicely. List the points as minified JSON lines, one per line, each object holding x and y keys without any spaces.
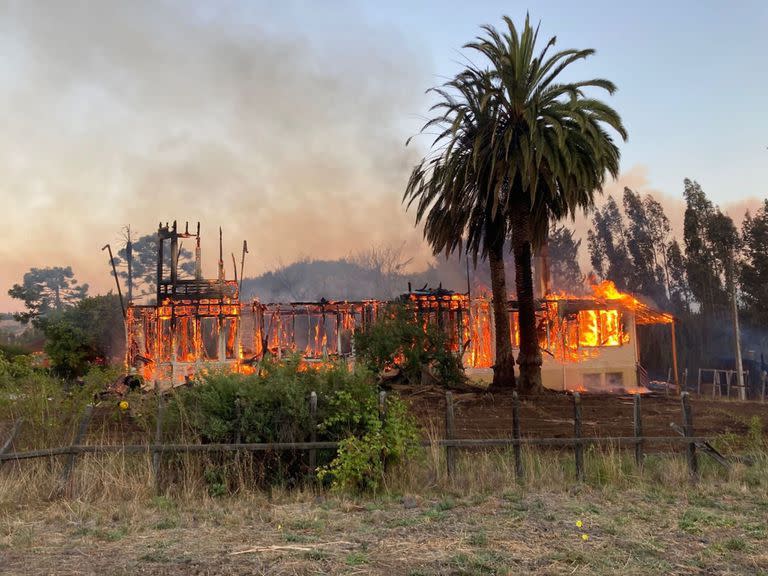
{"x":268,"y":412}
{"x":284,"y":425}
{"x":396,"y":342}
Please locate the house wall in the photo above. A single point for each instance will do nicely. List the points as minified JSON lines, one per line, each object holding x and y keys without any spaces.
{"x":611,"y":367}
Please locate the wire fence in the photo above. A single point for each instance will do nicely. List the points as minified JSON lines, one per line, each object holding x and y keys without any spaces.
{"x":451,"y":443}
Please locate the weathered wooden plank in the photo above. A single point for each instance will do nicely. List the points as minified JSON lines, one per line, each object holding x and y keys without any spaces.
{"x":638,"y":425}
{"x":279,"y":446}
{"x":693,"y":463}
{"x":450,"y":433}
{"x":516,"y":436}
{"x":69,"y":465}
{"x":578,"y":449}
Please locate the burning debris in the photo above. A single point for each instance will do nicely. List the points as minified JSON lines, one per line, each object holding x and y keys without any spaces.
{"x":589,"y":342}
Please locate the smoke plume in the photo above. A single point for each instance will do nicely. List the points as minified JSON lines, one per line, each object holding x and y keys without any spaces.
{"x":131,"y":113}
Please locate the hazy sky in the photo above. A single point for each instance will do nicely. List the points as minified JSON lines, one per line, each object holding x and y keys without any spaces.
{"x":286,"y":122}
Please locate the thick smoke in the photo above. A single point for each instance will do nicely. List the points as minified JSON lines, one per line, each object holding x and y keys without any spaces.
{"x":117,"y":113}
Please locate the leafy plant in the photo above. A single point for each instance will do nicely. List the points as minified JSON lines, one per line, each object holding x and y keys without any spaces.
{"x":372,"y":444}
{"x":272,"y":405}
{"x":397,"y":340}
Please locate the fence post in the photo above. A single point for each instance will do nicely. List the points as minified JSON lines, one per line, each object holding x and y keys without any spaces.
{"x":638,"y":421}
{"x":158,"y":438}
{"x":69,"y":465}
{"x":517,"y":448}
{"x":8,"y":443}
{"x":238,"y":421}
{"x":693,"y":463}
{"x":450,"y":451}
{"x":763,"y":378}
{"x":313,"y":431}
{"x":698,"y":386}
{"x":382,"y":405}
{"x":578,"y":449}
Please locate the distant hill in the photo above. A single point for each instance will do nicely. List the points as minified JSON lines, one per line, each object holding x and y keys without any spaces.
{"x":344,"y":279}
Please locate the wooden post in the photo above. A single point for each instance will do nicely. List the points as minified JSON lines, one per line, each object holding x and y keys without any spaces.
{"x":517,"y":448}
{"x":11,"y":437}
{"x":578,"y":450}
{"x":382,"y":405}
{"x":158,"y":438}
{"x":450,"y":430}
{"x":638,"y":421}
{"x":674,"y":359}
{"x":313,"y":431}
{"x":69,"y":465}
{"x":238,"y":421}
{"x":763,"y":378}
{"x":693,"y":463}
{"x":699,"y":384}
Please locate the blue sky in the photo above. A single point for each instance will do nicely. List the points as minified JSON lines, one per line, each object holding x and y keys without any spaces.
{"x":285,"y":122}
{"x":692,"y":76}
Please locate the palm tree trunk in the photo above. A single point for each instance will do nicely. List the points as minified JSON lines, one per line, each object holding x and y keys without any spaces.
{"x":529,"y":357}
{"x":504,"y":366}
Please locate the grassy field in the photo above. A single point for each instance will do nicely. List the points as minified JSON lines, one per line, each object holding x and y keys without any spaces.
{"x":207,"y":515}
{"x":632,"y":522}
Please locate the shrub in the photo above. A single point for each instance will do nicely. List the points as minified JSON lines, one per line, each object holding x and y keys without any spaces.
{"x":87,"y":334}
{"x":369,"y":444}
{"x":396,"y":340}
{"x":274,"y":407}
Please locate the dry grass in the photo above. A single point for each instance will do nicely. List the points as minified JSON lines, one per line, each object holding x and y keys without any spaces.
{"x":482,"y":522}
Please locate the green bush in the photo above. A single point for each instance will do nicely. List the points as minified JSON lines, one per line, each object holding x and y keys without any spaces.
{"x":274,"y":407}
{"x":397,"y":341}
{"x":49,"y":406}
{"x":369,"y":444}
{"x":90,"y":333}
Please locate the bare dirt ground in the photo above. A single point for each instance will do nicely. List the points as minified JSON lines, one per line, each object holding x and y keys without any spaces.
{"x":482,"y":415}
{"x":637,"y":531}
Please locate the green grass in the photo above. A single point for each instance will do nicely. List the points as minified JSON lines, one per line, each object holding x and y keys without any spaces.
{"x":356,"y":559}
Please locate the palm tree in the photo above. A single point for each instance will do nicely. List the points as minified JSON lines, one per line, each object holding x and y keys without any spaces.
{"x":456,"y":198}
{"x":553,"y":152}
{"x":517,"y":150}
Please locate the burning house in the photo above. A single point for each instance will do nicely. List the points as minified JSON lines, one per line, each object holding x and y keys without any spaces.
{"x":588,"y":343}
{"x":194,"y":322}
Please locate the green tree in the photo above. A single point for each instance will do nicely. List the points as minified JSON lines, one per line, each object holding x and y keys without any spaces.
{"x":754,"y":270}
{"x":710,"y":242}
{"x":455,"y":198}
{"x":679,"y":291}
{"x":531,"y":149}
{"x":91,"y":332}
{"x":564,"y":258}
{"x":607,"y":243}
{"x":144,"y":263}
{"x":47,"y":290}
{"x":552,"y":153}
{"x":634,"y":248}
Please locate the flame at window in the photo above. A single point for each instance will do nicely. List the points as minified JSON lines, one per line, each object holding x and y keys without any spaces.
{"x":601,"y":328}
